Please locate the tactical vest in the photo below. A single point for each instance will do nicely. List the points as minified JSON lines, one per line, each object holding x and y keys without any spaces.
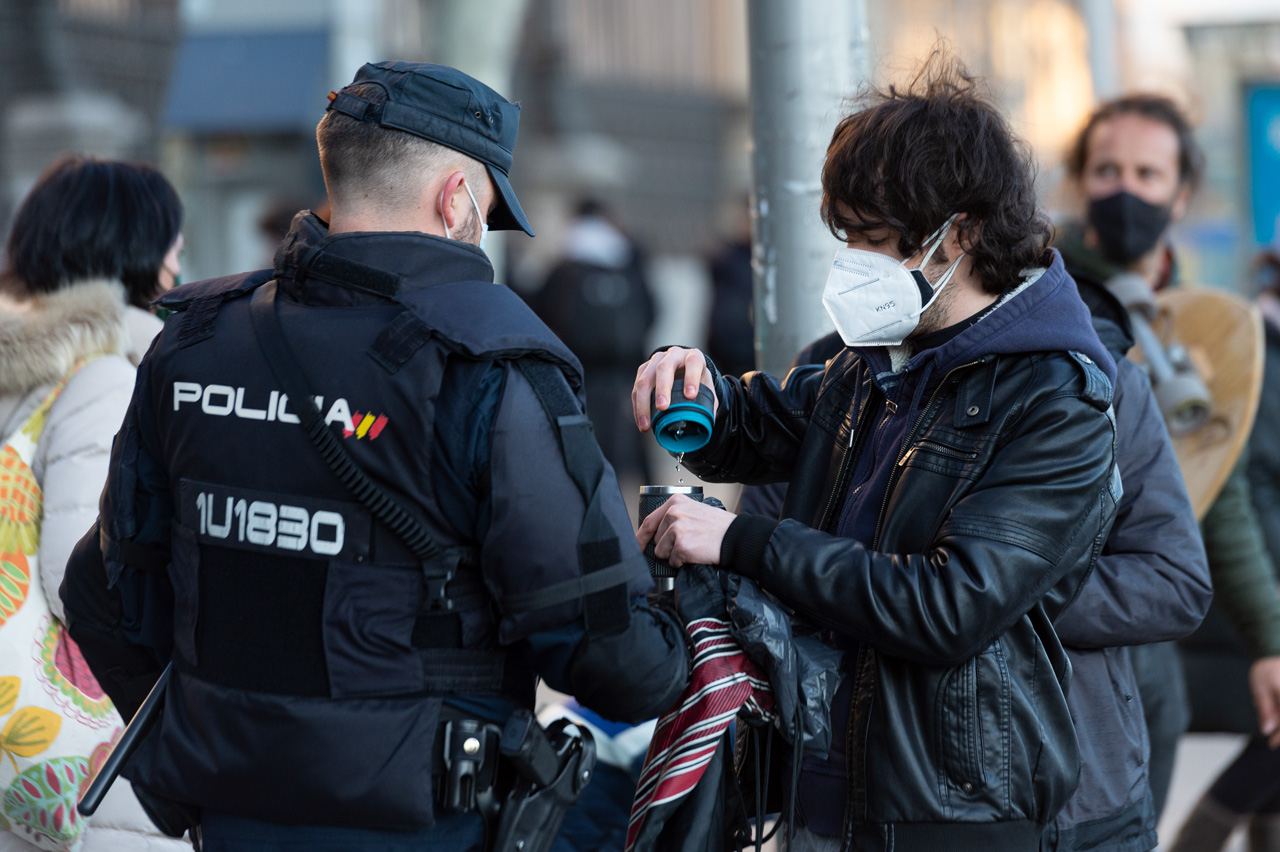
{"x":312,"y":648}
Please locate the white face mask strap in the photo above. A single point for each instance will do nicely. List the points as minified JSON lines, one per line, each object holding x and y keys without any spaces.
{"x":937,"y":238}
{"x":476,"y":204}
{"x":946,"y":276}
{"x":951,"y":270}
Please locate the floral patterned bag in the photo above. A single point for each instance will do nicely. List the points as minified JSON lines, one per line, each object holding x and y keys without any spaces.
{"x":56,"y":724}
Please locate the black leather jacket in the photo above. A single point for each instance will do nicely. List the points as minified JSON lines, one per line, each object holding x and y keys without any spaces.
{"x":959,"y":734}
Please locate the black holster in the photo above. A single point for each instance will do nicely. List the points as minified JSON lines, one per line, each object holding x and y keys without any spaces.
{"x":554,"y":767}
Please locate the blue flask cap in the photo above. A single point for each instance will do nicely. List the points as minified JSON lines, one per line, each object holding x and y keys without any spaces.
{"x":685,"y":426}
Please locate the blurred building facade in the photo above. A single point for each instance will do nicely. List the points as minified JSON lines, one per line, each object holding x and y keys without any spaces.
{"x":85,"y":76}
{"x":249,"y":84}
{"x":1237,"y":69}
{"x":641,"y":104}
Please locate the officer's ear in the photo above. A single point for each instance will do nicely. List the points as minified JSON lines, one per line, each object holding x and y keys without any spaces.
{"x":454,"y":205}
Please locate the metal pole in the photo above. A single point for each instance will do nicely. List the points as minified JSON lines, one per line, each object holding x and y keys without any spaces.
{"x":1104,"y":53}
{"x":806,"y":57}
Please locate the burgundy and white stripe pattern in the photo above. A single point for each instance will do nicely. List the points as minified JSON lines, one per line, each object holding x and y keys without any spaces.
{"x":723,"y":681}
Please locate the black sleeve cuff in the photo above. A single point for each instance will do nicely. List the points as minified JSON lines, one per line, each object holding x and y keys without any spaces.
{"x":742,"y":550}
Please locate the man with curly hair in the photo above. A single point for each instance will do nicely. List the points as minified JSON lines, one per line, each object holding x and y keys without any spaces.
{"x":952,"y":480}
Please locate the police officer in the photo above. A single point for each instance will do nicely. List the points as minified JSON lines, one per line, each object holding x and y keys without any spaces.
{"x":348,"y":626}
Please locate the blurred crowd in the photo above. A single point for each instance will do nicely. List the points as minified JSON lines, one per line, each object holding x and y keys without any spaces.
{"x":96,"y":242}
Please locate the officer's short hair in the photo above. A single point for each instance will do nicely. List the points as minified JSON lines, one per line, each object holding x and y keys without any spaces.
{"x":88,"y":218}
{"x":392,"y":164}
{"x":1156,"y":108}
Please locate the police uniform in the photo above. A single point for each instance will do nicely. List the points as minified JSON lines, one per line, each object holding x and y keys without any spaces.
{"x":319,"y":660}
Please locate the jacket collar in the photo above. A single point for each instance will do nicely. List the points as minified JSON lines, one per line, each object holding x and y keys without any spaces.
{"x":447,"y":284}
{"x":43,"y":337}
{"x":371,"y":265}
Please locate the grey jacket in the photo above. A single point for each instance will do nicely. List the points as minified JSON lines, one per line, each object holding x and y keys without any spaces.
{"x":1151,"y":584}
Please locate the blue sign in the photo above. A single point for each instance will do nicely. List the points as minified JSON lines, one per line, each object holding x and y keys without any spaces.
{"x":249,"y":83}
{"x":1262,"y":113}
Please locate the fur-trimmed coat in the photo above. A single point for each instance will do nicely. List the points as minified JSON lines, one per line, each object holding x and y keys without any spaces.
{"x":40,"y":340}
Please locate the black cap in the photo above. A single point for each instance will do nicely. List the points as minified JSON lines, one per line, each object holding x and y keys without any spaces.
{"x":445,"y":106}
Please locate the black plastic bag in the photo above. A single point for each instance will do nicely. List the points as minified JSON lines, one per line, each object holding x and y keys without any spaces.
{"x":803,"y":670}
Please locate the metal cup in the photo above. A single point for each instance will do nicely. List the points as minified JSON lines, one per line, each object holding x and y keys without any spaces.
{"x":651,"y":497}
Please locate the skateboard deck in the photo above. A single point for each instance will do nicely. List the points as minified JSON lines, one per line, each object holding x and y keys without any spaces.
{"x":1224,"y":339}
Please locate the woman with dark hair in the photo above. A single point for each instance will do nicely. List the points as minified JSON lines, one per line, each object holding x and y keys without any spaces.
{"x":93,"y":221}
{"x":92,"y":245}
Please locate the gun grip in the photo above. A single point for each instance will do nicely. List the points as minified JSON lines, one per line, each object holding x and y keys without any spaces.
{"x":525,"y":744}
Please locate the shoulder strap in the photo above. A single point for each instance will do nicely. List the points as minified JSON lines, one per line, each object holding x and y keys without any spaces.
{"x":24,"y":439}
{"x":605,"y":574}
{"x":461,"y":670}
{"x":438,"y":564}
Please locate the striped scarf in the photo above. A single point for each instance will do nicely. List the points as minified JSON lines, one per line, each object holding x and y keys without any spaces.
{"x":723,"y":682}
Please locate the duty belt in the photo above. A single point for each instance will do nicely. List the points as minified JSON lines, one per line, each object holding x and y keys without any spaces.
{"x":524,"y":796}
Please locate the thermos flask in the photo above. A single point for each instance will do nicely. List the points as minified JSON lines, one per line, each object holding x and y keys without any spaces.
{"x":651,"y":497}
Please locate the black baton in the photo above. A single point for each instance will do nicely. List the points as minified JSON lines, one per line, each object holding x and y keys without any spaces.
{"x":139,"y":727}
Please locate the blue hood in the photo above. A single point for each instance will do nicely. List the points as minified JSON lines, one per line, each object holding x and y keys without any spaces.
{"x":1048,"y":316}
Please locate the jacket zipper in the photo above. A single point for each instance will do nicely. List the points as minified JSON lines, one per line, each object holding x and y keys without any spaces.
{"x":941,"y":450}
{"x":906,"y":445}
{"x":854,"y":755}
{"x":849,"y":453}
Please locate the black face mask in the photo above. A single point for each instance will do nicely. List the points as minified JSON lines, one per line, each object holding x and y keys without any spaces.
{"x":1127,"y":226}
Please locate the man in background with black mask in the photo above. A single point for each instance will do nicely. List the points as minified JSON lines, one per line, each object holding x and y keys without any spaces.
{"x":1136,"y":165}
{"x":1136,"y":174}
